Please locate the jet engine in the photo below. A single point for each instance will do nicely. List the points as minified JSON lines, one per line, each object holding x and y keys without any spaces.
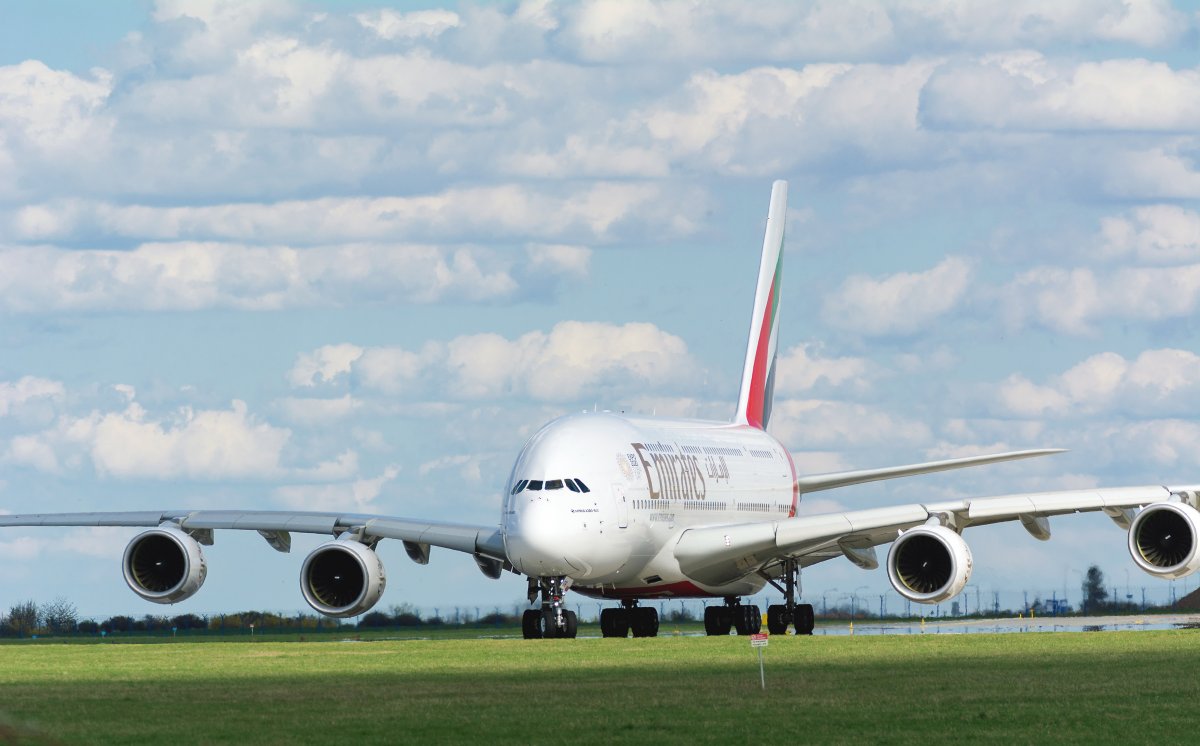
{"x":929,"y":564}
{"x":1162,"y":540}
{"x":342,"y":578}
{"x":164,"y":565}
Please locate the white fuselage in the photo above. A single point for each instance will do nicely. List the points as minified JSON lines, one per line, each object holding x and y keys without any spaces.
{"x":647,"y":480}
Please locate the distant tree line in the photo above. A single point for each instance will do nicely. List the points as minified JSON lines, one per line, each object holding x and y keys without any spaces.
{"x":60,"y":617}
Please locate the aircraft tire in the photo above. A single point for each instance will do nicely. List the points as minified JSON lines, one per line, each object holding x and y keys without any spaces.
{"x":717,"y":620}
{"x":531,"y":622}
{"x":747,"y":619}
{"x":645,"y":622}
{"x":776,"y":623}
{"x":572,"y":624}
{"x":805,"y":619}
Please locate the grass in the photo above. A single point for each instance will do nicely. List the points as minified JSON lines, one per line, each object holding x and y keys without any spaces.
{"x":1047,"y":687}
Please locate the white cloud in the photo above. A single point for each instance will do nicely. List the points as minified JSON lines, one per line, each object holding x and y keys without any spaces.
{"x":391,"y":25}
{"x":191,"y":276}
{"x":558,"y":260}
{"x":903,"y":303}
{"x":205,"y":444}
{"x":51,"y":111}
{"x":1164,"y":171}
{"x":594,"y":211}
{"x":14,"y":394}
{"x":1164,"y":381}
{"x":97,"y":542}
{"x":814,"y":423}
{"x":310,"y":411}
{"x":200,"y":444}
{"x":797,"y":370}
{"x":359,"y":495}
{"x":1155,"y":234}
{"x":573,"y":359}
{"x":1024,"y":90}
{"x":468,"y":466}
{"x":323,"y":364}
{"x":1074,"y":300}
{"x":1020,"y":22}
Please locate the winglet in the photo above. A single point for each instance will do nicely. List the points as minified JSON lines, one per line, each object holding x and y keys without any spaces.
{"x":758,"y":372}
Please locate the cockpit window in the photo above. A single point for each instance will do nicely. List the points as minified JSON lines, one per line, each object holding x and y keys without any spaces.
{"x":519,"y":486}
{"x":534,"y":484}
{"x":571,"y":485}
{"x":582,"y":486}
{"x":554,"y":484}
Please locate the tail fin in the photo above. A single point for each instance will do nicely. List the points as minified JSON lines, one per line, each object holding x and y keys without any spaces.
{"x":758,"y":375}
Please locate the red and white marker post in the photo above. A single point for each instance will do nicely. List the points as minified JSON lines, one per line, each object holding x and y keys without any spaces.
{"x":760,"y":641}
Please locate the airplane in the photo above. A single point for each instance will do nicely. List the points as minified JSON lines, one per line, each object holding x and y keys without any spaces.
{"x":633,"y":508}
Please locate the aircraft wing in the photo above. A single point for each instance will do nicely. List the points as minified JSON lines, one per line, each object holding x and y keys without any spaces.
{"x":721,"y":554}
{"x":276,"y":527}
{"x":816,"y":482}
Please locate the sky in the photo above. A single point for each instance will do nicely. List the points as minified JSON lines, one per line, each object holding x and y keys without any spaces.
{"x":350,"y":256}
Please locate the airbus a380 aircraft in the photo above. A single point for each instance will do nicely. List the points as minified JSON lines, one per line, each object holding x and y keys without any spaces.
{"x":633,"y":508}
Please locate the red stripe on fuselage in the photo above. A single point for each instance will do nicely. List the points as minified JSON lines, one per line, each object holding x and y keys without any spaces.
{"x":681,"y":589}
{"x":758,"y":381}
{"x":795,"y":484}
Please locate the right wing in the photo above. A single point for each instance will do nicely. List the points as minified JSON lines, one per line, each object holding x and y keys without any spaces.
{"x":717,"y":555}
{"x":276,"y":527}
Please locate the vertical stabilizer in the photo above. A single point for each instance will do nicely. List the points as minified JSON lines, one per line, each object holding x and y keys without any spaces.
{"x":758,"y":374}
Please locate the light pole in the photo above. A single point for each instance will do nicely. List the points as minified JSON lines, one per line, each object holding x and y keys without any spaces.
{"x":825,"y":603}
{"x":856,"y":590}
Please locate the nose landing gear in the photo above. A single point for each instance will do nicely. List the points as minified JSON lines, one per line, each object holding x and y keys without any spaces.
{"x":552,"y":619}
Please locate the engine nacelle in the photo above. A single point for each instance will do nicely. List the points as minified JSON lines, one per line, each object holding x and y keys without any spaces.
{"x":929,"y":564}
{"x":342,"y":578}
{"x":164,"y":565}
{"x":1163,"y":540}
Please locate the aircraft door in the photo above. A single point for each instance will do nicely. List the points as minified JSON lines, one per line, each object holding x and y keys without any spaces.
{"x":622,"y":505}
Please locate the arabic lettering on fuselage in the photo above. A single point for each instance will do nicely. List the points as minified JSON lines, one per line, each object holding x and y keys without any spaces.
{"x":674,"y":476}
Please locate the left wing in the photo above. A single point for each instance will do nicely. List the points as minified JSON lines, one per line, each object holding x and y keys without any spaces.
{"x":717,"y":555}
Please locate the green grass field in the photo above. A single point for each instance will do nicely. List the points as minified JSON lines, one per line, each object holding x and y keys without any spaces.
{"x":1062,"y":687}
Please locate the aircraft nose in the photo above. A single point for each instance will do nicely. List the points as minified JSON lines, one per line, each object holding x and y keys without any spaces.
{"x":539,"y":542}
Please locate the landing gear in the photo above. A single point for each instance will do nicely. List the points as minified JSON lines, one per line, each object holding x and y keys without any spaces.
{"x":552,"y":619}
{"x":642,"y":620}
{"x":781,"y":616}
{"x":745,"y":619}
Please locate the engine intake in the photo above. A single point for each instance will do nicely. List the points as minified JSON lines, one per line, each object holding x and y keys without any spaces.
{"x":164,"y":565}
{"x":929,"y":564}
{"x":1162,"y":540}
{"x":342,"y":578}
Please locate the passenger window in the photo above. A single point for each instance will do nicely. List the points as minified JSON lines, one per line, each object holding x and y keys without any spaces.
{"x":582,"y":486}
{"x":554,"y":484}
{"x":571,"y":485}
{"x":534,"y":485}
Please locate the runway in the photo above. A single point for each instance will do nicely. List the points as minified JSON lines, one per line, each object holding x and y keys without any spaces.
{"x":996,"y":626}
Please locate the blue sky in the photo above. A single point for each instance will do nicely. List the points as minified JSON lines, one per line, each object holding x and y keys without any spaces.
{"x":349,"y":256}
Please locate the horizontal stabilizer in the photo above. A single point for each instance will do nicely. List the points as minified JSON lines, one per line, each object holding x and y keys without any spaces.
{"x":818,"y":482}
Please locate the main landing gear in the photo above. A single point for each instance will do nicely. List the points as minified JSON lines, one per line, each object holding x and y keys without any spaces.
{"x":642,"y":620}
{"x":552,"y":619}
{"x":781,"y":616}
{"x":746,"y":619}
